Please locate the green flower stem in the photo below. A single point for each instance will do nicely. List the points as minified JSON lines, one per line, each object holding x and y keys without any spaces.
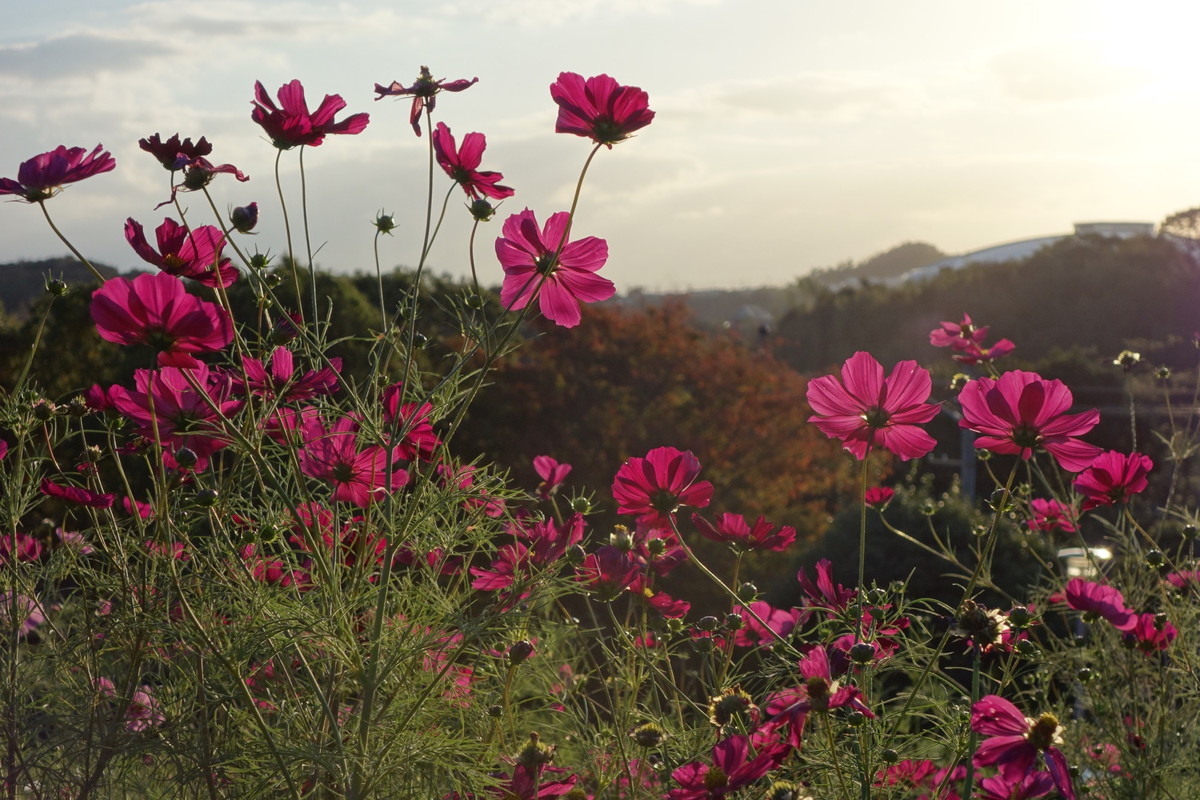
{"x":312,"y":269}
{"x":78,"y":255}
{"x":287,"y":227}
{"x":973,"y":737}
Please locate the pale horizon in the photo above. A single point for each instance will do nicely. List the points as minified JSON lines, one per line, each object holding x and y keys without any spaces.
{"x":788,"y":136}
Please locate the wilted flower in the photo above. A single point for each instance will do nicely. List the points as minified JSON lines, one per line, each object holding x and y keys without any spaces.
{"x":173,"y":153}
{"x":424,"y":93}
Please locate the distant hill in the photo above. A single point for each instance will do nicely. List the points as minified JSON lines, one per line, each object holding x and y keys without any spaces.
{"x":22,"y":282}
{"x":891,"y":263}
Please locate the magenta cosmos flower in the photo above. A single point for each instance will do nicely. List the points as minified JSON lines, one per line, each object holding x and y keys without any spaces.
{"x":599,"y":108}
{"x":1021,"y":412}
{"x":1050,"y":515}
{"x":358,"y":477}
{"x":1100,"y":600}
{"x":740,"y":535}
{"x":43,"y":176}
{"x":1016,"y":742}
{"x":541,"y":263}
{"x":173,"y":154}
{"x":731,"y":768}
{"x":424,"y":92}
{"x":292,"y":125}
{"x":864,"y":409}
{"x":277,"y":377}
{"x":656,"y":486}
{"x":194,"y":254}
{"x":1112,"y":478}
{"x":155,"y":309}
{"x":462,"y":164}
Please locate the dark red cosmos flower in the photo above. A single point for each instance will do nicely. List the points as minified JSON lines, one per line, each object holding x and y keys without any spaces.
{"x":76,"y":495}
{"x":43,"y":176}
{"x":599,"y":108}
{"x":656,"y":486}
{"x":542,"y":264}
{"x":740,"y":535}
{"x":1112,"y":478}
{"x":292,"y":125}
{"x":878,"y":497}
{"x":155,"y":309}
{"x":866,"y":410}
{"x":1016,"y":742}
{"x":1021,"y":412}
{"x":194,"y":254}
{"x":173,"y":153}
{"x":462,"y":164}
{"x":424,"y":93}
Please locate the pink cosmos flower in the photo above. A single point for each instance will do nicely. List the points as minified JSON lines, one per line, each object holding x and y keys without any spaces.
{"x":173,"y":153}
{"x":543,"y":264}
{"x":155,"y":309}
{"x":194,"y":254}
{"x":820,"y":692}
{"x":411,"y":420}
{"x":607,"y":572}
{"x":19,"y":547}
{"x":76,"y":495}
{"x":424,"y":93}
{"x":733,"y":529}
{"x":978,"y":354}
{"x":1021,"y":412}
{"x":1112,"y":478}
{"x":177,"y":405}
{"x":292,"y":125}
{"x":780,"y":620}
{"x":1016,"y":742}
{"x":1151,"y":633}
{"x":957,"y":334}
{"x":864,"y":409}
{"x":27,"y":611}
{"x":552,"y":474}
{"x":278,"y":378}
{"x":599,"y":108}
{"x":43,"y":176}
{"x":731,"y":768}
{"x":824,"y":593}
{"x":1034,"y":784}
{"x":357,"y":476}
{"x":878,"y":497}
{"x":656,"y":486}
{"x":1050,"y":515}
{"x":462,"y":165}
{"x":1103,"y":601}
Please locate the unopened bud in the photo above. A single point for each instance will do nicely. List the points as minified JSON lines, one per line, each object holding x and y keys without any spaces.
{"x":244,"y":218}
{"x":207,"y":498}
{"x":862,"y":653}
{"x":56,"y":287}
{"x":482,"y":210}
{"x":747,"y":592}
{"x":1155,"y":558}
{"x":519,"y":652}
{"x":385,"y":223}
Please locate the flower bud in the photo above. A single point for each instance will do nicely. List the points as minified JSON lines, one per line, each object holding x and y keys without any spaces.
{"x":1155,"y":558}
{"x":621,"y":539}
{"x":495,"y":711}
{"x":244,"y":218}
{"x":1085,"y":674}
{"x":519,"y":652}
{"x":78,"y":407}
{"x":474,"y":301}
{"x":581,"y":505}
{"x":482,"y":210}
{"x":857,"y":719}
{"x":889,"y":756}
{"x":733,"y":622}
{"x":876,"y":596}
{"x":648,"y":735}
{"x":1127,"y":360}
{"x":56,"y":287}
{"x":862,"y":653}
{"x":747,"y":592}
{"x":207,"y":498}
{"x":675,"y":625}
{"x":385,"y":223}
{"x":186,"y":458}
{"x":1163,"y":374}
{"x":656,"y":547}
{"x":1189,"y":532}
{"x":1026,"y":648}
{"x":707,"y":623}
{"x":1019,"y":617}
{"x":43,"y":409}
{"x":575,"y":555}
{"x":260,"y":261}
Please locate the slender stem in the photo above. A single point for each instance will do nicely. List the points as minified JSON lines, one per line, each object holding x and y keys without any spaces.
{"x":78,"y":255}
{"x":312,"y":268}
{"x":862,"y":546}
{"x":973,"y":739}
{"x":287,"y":227}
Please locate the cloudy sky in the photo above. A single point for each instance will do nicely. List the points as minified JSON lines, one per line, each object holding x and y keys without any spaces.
{"x":789,"y":135}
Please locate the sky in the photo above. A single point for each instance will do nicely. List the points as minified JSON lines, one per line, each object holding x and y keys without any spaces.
{"x":789,"y":135}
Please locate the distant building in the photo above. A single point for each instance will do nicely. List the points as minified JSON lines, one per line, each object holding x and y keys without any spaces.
{"x":1014,"y":251}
